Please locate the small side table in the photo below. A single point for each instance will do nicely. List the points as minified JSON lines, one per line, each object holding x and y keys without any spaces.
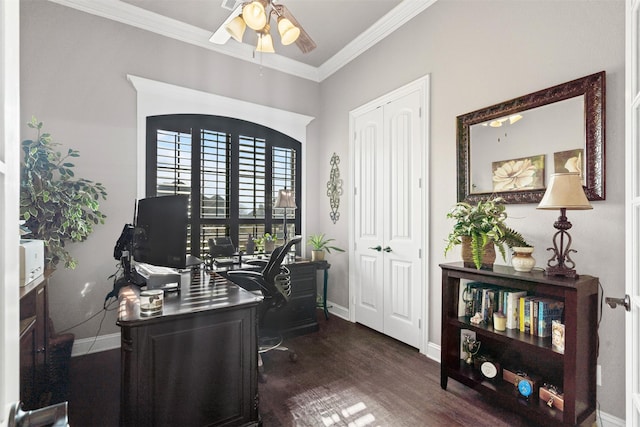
{"x":325,"y":266}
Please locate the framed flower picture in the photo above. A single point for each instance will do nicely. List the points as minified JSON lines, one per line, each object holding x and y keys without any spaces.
{"x":526,"y":173}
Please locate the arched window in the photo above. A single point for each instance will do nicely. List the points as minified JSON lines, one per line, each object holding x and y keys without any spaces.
{"x":231,"y":169}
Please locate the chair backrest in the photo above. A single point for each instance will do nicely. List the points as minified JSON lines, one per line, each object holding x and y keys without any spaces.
{"x":221,"y":247}
{"x":272,"y":269}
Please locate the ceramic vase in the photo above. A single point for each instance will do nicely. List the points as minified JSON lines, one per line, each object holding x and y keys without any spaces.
{"x":522,"y":260}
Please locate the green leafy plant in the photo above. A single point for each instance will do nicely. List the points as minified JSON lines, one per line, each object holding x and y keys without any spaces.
{"x":56,"y":207}
{"x":320,"y":243}
{"x":482,"y":223}
{"x":260,"y":241}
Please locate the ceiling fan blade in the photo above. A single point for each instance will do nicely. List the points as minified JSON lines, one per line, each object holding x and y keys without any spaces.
{"x":304,"y":41}
{"x":221,"y":35}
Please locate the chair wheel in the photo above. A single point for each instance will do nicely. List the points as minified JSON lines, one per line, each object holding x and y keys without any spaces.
{"x":293,"y":357}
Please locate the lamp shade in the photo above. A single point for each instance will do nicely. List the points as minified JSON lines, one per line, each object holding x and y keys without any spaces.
{"x":286,"y":199}
{"x":254,"y":15}
{"x":265,"y":43}
{"x":289,"y":33}
{"x":565,"y":191}
{"x":236,"y":28}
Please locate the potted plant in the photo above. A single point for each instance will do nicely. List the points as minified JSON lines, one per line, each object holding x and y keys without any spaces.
{"x":56,"y":207}
{"x":320,"y":244}
{"x":478,"y":228}
{"x":266,"y":243}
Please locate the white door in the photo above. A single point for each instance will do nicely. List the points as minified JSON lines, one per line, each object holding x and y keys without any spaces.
{"x":368,"y":215}
{"x":402,"y":172}
{"x":632,"y":279}
{"x":9,"y":205}
{"x":388,"y":212}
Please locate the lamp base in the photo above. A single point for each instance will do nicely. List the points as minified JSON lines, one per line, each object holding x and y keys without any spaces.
{"x":561,"y":271}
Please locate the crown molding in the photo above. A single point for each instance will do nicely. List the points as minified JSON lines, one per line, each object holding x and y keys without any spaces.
{"x":128,"y":14}
{"x":394,"y":19}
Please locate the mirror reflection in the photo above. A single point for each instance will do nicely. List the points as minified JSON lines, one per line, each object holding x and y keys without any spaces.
{"x":520,"y":151}
{"x":512,"y":148}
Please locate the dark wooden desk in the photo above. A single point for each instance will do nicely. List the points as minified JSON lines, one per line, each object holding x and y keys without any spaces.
{"x":196,"y":363}
{"x":298,"y":316}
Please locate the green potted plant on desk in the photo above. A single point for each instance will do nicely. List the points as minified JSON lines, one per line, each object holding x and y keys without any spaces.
{"x":320,"y":244}
{"x":56,"y":207}
{"x":479,"y":228}
{"x":266,"y":243}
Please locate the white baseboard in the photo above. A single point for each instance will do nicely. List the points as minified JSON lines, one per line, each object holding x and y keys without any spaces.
{"x":607,"y":420}
{"x":338,"y":310}
{"x":433,"y":352}
{"x":86,"y":346}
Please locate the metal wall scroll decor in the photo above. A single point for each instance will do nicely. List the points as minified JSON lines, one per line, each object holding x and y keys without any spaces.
{"x":334,"y":188}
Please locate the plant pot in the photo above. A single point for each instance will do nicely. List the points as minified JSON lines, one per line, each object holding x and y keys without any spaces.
{"x":522,"y":260}
{"x":317,"y":255}
{"x":269,"y":246}
{"x":488,"y":254}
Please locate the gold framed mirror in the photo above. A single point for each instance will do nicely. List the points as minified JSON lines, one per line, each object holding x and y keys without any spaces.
{"x":511,"y":149}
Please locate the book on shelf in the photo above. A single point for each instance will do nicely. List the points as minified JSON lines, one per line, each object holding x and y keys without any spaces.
{"x":524,"y":314}
{"x":512,"y":307}
{"x":548,"y":311}
{"x":557,"y":336}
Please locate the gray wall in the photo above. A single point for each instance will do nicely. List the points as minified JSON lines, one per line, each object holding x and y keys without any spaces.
{"x":477,"y":52}
{"x":73,"y":78}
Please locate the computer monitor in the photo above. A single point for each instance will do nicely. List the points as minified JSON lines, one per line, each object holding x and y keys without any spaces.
{"x":160,"y":236}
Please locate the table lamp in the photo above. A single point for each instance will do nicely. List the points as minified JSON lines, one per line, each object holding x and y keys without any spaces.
{"x":286,"y":200}
{"x":564,"y":192}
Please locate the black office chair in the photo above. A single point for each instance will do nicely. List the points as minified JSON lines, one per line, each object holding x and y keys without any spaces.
{"x":274,"y":282}
{"x":222,"y":250}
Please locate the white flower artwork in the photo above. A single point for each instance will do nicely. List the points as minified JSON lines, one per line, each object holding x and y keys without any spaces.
{"x":519,"y":174}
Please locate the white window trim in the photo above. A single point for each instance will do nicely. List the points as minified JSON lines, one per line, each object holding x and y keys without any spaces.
{"x":157,"y":98}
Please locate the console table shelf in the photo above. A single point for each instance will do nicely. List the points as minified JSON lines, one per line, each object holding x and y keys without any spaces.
{"x":574,"y":371}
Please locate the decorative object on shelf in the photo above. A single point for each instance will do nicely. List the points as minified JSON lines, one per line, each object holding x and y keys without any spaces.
{"x":564,"y":192}
{"x":471,"y":346}
{"x":57,"y":207}
{"x":522,"y":259}
{"x":478,"y":228}
{"x":490,"y":369}
{"x":552,"y":396}
{"x":499,"y":321}
{"x":557,"y":336}
{"x":320,"y":244}
{"x":286,"y":200}
{"x":334,"y":188}
{"x":257,"y":15}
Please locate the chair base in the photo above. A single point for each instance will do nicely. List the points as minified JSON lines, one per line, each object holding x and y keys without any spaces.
{"x":269,"y":343}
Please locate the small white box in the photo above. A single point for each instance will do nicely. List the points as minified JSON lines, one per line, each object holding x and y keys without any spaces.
{"x":31,"y":260}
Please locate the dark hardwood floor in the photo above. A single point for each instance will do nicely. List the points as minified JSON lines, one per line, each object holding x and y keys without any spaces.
{"x":346,"y":374}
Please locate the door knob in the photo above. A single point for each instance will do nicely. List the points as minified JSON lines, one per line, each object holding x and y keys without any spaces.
{"x":377,"y":248}
{"x":614,"y":302}
{"x":387,"y":249}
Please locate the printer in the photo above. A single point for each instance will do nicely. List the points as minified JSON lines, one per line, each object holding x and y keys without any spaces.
{"x":31,"y":260}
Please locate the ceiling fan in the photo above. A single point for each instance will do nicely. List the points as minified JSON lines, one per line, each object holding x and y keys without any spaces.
{"x":257,"y":16}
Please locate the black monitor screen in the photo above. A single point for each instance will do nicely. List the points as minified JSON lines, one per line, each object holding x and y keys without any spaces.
{"x":160,"y":236}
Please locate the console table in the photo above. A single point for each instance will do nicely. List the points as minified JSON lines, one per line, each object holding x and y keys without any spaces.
{"x":196,"y":362}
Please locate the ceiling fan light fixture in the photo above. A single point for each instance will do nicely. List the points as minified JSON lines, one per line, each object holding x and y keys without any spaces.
{"x":289,"y":33}
{"x":254,"y":15}
{"x":236,"y":28}
{"x":265,"y":43}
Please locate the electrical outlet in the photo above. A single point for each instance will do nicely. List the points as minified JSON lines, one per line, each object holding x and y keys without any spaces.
{"x":599,"y":375}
